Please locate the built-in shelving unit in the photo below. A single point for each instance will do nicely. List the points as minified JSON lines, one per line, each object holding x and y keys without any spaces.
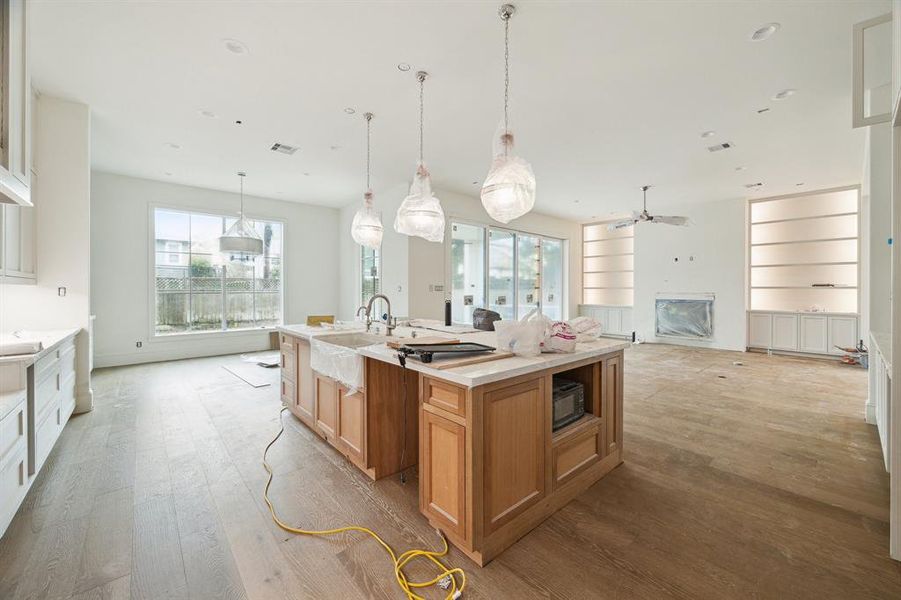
{"x":804,"y":252}
{"x":607,"y":265}
{"x":803,"y":272}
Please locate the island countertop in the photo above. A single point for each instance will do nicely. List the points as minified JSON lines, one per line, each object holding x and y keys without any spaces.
{"x":470,"y":375}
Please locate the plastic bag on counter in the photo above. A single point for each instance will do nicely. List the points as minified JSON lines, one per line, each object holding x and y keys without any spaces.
{"x":559,"y":337}
{"x":586,"y":329}
{"x":522,"y":338}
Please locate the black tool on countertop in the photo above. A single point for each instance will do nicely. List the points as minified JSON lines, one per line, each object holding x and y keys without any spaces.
{"x":447,"y":312}
{"x":425,"y":352}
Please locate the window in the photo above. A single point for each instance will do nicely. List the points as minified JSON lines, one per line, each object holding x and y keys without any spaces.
{"x":370,"y":277}
{"x":803,"y":252}
{"x":509,"y":272}
{"x":196,"y":289}
{"x":607,"y":265}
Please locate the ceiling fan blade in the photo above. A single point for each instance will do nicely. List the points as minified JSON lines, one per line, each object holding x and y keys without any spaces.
{"x":670,"y":220}
{"x":620,"y":224}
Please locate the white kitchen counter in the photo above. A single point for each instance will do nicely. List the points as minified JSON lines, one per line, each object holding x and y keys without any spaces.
{"x":49,"y":339}
{"x":470,"y":375}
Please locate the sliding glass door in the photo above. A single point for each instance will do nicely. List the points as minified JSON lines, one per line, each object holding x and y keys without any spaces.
{"x":509,"y":272}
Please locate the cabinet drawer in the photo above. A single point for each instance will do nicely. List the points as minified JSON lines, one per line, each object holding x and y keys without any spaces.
{"x":289,"y":365}
{"x":577,"y":454}
{"x":46,"y":364}
{"x":67,"y":362}
{"x":445,"y":396}
{"x":45,"y":393}
{"x":45,"y":436}
{"x":13,"y":432}
{"x":13,"y":485}
{"x":288,"y":392}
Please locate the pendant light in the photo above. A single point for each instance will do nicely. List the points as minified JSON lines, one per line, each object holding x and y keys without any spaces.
{"x":420,"y":213}
{"x":367,"y":225}
{"x":241,"y":243}
{"x":509,"y":188}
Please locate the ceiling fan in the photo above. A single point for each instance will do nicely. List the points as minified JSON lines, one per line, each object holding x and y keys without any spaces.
{"x":645,"y":217}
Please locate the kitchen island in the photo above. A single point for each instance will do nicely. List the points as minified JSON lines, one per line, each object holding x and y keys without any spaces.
{"x":491,"y":467}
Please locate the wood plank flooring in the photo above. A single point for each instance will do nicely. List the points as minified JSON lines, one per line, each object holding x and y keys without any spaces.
{"x":758,"y":480}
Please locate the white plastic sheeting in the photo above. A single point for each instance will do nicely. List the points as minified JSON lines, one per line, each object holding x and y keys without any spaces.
{"x":688,"y":318}
{"x":338,"y":362}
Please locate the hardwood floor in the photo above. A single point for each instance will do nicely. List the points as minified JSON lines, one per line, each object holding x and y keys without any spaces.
{"x":758,"y":480}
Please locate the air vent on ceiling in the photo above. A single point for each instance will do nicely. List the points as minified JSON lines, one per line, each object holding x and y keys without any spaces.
{"x":752,"y":186}
{"x":718,"y":147}
{"x":283,"y":148}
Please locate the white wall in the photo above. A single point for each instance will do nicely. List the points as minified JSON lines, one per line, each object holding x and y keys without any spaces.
{"x":120,"y":283}
{"x":716,"y":239}
{"x":61,"y":194}
{"x":411,"y":265}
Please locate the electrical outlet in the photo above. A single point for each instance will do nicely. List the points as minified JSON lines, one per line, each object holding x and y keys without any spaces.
{"x":61,"y":291}
{"x":139,"y":344}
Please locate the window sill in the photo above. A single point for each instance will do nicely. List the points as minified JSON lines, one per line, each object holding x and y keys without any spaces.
{"x":193,"y":335}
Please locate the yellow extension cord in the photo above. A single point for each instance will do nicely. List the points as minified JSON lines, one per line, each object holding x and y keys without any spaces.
{"x":399,"y":561}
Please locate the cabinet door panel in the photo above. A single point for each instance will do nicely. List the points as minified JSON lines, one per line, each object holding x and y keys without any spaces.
{"x":12,"y":239}
{"x":442,"y":485}
{"x":842,"y":332}
{"x":813,"y":334}
{"x":612,"y":386}
{"x":351,"y":419}
{"x":514,"y":455}
{"x":785,"y":332}
{"x":305,"y":383}
{"x":760,"y":330}
{"x":326,"y":406}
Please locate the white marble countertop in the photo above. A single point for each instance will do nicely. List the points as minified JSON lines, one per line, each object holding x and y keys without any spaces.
{"x":49,"y":339}
{"x":883,"y":342}
{"x":470,"y":375}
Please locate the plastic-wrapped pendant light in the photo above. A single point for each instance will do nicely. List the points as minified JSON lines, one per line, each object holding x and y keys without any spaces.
{"x":367,"y":227}
{"x":241,"y":243}
{"x":509,"y":188}
{"x":420,"y":214}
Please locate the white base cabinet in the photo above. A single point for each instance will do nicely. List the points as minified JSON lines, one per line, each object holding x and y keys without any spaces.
{"x":13,"y":456}
{"x":808,"y":333}
{"x":614,"y":320}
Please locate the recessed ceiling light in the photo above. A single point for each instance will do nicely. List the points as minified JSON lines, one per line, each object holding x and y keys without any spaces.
{"x":349,"y":110}
{"x":708,"y":134}
{"x":167,"y":173}
{"x":800,"y":184}
{"x":740,"y":168}
{"x":576,"y":201}
{"x":207,"y":113}
{"x":782,"y":95}
{"x":765,"y":32}
{"x":475,"y":183}
{"x":760,"y":111}
{"x":403,"y":66}
{"x":306,"y":174}
{"x":239,"y":122}
{"x":235,"y":46}
{"x":173,"y":146}
{"x":335,"y":147}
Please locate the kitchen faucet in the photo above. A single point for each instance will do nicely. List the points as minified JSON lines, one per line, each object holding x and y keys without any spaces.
{"x":389,"y":325}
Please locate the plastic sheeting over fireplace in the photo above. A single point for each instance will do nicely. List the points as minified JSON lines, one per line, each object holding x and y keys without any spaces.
{"x":684,"y":315}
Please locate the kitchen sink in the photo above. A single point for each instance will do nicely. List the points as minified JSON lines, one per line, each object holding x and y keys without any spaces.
{"x":336,"y":356}
{"x":352,"y":340}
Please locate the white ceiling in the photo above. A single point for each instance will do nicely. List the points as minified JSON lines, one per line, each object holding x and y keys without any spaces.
{"x":606,"y":96}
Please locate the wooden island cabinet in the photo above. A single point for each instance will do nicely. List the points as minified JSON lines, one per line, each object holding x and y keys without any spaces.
{"x":366,"y":425}
{"x":491,"y":467}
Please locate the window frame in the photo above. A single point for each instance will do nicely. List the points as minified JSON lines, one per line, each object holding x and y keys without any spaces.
{"x":359,"y":271}
{"x":153,"y":336}
{"x":488,"y":227}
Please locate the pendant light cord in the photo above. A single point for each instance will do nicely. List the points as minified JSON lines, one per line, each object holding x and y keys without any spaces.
{"x":368,"y":143}
{"x":506,"y":76}
{"x":421,"y":76}
{"x":241,"y":176}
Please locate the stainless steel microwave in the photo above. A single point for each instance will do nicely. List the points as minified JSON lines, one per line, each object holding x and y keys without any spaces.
{"x":569,"y":402}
